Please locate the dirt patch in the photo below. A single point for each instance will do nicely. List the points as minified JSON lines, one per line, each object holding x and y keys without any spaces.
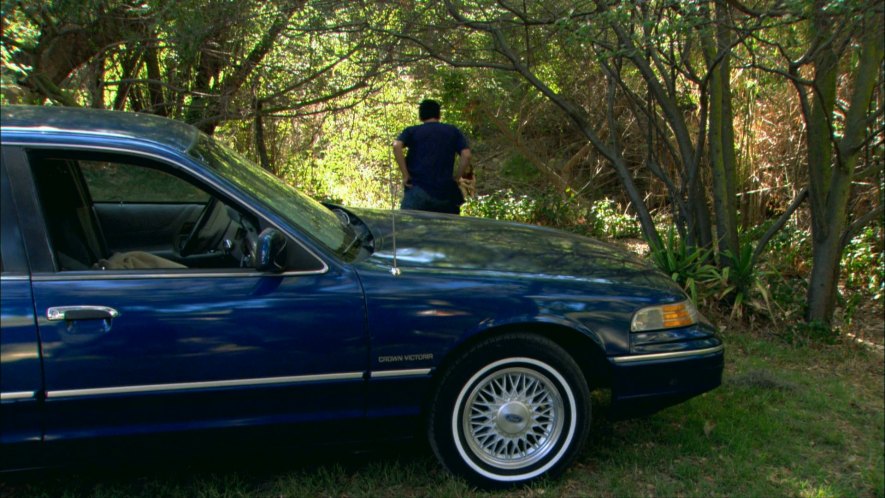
{"x":866,"y":326}
{"x":761,"y":379}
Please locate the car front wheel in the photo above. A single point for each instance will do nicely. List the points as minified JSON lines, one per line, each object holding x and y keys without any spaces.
{"x":511,"y":409}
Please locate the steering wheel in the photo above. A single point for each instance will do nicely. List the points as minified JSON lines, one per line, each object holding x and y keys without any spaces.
{"x":194,"y":242}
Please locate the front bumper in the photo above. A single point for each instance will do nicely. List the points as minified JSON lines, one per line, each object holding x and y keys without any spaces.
{"x":645,"y":383}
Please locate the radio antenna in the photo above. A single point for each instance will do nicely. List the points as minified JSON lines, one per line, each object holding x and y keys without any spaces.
{"x":394,"y":270}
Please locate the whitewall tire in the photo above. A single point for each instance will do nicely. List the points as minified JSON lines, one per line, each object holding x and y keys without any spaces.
{"x":513,"y":408}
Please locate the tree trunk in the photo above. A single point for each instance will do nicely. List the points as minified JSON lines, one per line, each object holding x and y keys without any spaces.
{"x":207,"y":113}
{"x":721,"y":135}
{"x":728,"y":234}
{"x":260,"y":143}
{"x":155,"y":88}
{"x":63,"y":48}
{"x":830,"y":174}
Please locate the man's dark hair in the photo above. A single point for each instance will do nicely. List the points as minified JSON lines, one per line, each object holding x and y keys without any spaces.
{"x":428,"y":109}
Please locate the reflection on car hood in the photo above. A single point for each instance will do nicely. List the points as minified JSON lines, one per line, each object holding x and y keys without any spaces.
{"x":429,"y":240}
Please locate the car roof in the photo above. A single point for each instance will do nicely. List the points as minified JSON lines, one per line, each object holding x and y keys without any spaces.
{"x":84,"y":121}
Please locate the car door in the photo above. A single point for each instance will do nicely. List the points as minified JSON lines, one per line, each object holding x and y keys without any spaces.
{"x":209,"y":346}
{"x":20,"y":379}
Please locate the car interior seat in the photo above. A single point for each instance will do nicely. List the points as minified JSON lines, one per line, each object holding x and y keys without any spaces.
{"x":73,"y":227}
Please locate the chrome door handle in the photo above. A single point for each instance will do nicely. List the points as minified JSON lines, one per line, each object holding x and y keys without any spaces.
{"x":68,"y":313}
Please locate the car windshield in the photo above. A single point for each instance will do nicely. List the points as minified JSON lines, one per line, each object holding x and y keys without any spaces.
{"x":304,"y":213}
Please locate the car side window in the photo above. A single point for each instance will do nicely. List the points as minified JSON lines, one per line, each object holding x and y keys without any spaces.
{"x":113,"y":212}
{"x":114,"y":182}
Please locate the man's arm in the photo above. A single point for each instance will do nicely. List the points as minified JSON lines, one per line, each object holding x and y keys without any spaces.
{"x":464,"y":163}
{"x":401,"y":162}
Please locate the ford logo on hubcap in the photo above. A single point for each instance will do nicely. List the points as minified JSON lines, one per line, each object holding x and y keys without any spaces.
{"x":513,"y":419}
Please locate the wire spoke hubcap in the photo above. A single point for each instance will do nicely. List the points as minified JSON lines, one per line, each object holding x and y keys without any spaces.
{"x":513,"y":418}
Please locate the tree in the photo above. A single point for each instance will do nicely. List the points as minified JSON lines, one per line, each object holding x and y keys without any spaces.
{"x":835,"y":76}
{"x":647,"y":52}
{"x":204,"y":61}
{"x":833,"y":153}
{"x":643,"y":90}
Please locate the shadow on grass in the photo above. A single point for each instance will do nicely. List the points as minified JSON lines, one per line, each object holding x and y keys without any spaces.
{"x":239,"y":471}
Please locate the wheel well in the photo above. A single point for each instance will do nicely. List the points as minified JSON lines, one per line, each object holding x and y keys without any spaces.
{"x":586,"y":353}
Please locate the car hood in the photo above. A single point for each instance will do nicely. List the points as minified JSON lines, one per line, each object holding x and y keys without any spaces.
{"x":446,"y":242}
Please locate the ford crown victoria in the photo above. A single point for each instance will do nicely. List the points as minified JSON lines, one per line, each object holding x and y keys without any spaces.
{"x":157,"y":286}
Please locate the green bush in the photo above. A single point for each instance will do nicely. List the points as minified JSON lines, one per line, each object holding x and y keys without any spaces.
{"x":745,"y":287}
{"x":783,"y":269}
{"x":691,"y":267}
{"x":863,"y":264}
{"x":545,"y":208}
{"x":610,"y":222}
{"x":787,"y":264}
{"x":603,"y":219}
{"x":502,"y":205}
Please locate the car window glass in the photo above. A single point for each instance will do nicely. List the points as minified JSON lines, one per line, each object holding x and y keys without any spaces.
{"x":113,"y":182}
{"x":302,"y":212}
{"x":117,"y":213}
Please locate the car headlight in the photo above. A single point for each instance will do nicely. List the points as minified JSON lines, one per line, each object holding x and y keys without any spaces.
{"x":667,"y":316}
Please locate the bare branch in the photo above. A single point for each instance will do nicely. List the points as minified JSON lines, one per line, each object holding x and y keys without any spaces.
{"x":314,"y":75}
{"x":778,"y":224}
{"x":432,"y":52}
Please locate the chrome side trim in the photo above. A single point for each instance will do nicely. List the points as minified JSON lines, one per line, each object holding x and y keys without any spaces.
{"x":17,"y":395}
{"x":415,"y":372}
{"x":135,"y":275}
{"x":190,"y":386}
{"x":667,"y":356}
{"x":15,"y":278}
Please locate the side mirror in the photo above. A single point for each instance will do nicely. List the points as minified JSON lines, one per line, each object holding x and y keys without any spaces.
{"x":270,"y":251}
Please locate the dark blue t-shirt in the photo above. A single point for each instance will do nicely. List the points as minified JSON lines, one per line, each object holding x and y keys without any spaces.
{"x":431,"y":156}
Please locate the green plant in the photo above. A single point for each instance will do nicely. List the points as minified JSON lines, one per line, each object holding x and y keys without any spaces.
{"x":863,"y":264}
{"x":610,"y":222}
{"x":549,"y":208}
{"x":501,"y":205}
{"x":686,"y":265}
{"x":744,"y":284}
{"x":782,"y":271}
{"x":803,"y":333}
{"x":789,"y":251}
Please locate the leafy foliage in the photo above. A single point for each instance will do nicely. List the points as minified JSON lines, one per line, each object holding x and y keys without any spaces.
{"x":611,"y":222}
{"x":863,"y":264}
{"x":573,"y":110}
{"x":689,"y":266}
{"x":502,"y":205}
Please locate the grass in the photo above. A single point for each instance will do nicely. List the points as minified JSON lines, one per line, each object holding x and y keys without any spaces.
{"x":789,"y":420}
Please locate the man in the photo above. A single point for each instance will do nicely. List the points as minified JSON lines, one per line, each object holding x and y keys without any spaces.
{"x":427,"y":170}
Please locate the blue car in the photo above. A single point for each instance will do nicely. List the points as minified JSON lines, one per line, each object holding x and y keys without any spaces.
{"x":157,"y":287}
